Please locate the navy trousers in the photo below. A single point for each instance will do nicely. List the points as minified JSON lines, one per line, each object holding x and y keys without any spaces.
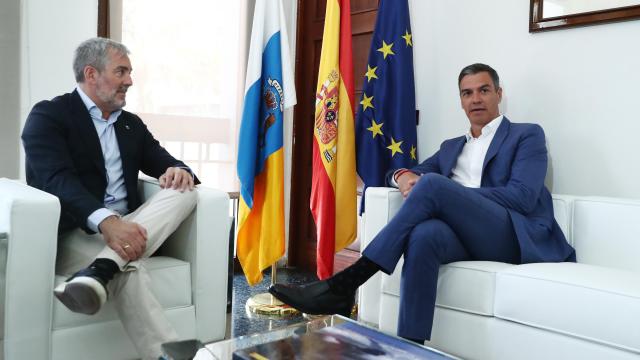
{"x":440,"y":222}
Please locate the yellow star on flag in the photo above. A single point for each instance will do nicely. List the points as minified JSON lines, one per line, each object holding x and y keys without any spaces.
{"x":386,"y":49}
{"x":375,"y":128}
{"x":371,"y":73}
{"x":407,"y":38}
{"x":413,"y":152}
{"x":395,"y":147}
{"x":366,"y":102}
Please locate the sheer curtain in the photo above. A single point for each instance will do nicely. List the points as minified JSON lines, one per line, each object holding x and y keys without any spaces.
{"x":188,"y":63}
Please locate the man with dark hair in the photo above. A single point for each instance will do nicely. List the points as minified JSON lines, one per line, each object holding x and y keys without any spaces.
{"x":480,"y":197}
{"x":84,"y":149}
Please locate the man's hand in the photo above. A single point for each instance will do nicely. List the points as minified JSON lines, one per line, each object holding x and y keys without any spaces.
{"x":176,"y":178}
{"x":126,"y":238}
{"x":406,"y":182}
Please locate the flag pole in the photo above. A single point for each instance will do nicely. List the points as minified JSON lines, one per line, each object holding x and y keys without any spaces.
{"x":273,"y":274}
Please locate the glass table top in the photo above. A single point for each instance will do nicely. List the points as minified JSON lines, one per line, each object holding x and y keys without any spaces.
{"x":223,"y":350}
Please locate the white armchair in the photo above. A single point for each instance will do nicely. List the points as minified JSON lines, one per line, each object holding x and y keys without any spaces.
{"x":189,"y":277}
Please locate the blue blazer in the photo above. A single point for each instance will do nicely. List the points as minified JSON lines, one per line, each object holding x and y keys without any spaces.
{"x":513,"y":176}
{"x":64,"y":157}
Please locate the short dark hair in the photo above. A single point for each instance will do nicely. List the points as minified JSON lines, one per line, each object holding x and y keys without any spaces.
{"x":478,"y":68}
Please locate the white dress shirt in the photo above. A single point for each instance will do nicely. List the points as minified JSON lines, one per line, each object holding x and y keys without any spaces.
{"x":468,"y":169}
{"x":115,"y":196}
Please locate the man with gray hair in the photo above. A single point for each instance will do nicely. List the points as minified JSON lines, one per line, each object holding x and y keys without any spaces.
{"x":84,"y":149}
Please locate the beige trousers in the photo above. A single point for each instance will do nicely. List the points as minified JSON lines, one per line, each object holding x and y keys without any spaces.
{"x":140,"y":312}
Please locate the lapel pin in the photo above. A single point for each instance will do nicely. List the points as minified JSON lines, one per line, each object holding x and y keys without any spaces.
{"x":126,"y":127}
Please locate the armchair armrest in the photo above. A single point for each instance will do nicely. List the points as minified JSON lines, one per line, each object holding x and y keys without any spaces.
{"x":202,"y":240}
{"x":382,"y":203}
{"x":30,"y":219}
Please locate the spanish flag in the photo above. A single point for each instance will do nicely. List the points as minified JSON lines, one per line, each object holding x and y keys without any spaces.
{"x":269,"y":89}
{"x":333,"y":189}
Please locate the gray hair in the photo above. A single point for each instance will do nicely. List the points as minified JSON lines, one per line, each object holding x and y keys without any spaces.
{"x":478,"y":68}
{"x":94,"y":52}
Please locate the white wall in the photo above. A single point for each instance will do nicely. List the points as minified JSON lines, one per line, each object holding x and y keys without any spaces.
{"x":51,"y":30}
{"x":579,"y":84}
{"x":9,"y":87}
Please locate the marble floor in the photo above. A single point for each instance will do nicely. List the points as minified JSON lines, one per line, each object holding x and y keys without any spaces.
{"x":240,"y":322}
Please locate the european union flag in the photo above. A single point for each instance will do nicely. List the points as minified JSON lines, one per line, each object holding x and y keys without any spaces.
{"x":386,"y":120}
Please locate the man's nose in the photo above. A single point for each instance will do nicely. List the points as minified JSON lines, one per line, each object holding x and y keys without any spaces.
{"x":128,"y":80}
{"x":475,"y":97}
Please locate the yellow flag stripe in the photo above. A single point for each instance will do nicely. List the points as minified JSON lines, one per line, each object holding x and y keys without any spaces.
{"x":261,"y":229}
{"x":345,"y":182}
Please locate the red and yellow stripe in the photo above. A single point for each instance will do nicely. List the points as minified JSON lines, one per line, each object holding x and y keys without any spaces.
{"x":333,"y":191}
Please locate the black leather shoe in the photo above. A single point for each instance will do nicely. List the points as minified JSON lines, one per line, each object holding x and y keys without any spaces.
{"x":315,"y":298}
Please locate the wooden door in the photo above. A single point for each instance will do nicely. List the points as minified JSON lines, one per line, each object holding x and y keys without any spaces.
{"x":302,"y":231}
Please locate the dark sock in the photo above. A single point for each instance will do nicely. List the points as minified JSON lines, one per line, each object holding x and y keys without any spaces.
{"x":417,"y":341}
{"x":348,"y":280}
{"x":104,"y":268}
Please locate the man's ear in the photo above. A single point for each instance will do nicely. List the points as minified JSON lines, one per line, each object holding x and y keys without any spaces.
{"x":90,"y":73}
{"x":499,"y":94}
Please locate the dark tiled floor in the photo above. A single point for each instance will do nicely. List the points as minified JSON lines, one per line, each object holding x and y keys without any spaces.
{"x":241,"y":322}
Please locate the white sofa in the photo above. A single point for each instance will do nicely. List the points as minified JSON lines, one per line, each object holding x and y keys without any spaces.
{"x":489,"y":310}
{"x":189,"y":277}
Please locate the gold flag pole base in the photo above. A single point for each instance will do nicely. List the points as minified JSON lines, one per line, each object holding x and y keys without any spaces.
{"x":265,"y":304}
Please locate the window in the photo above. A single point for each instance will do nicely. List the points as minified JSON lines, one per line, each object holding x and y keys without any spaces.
{"x":188,"y":58}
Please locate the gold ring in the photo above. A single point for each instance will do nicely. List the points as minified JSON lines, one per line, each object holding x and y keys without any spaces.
{"x":126,"y":246}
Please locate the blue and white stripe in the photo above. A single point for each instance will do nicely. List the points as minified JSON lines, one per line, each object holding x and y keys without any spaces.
{"x":268,"y":60}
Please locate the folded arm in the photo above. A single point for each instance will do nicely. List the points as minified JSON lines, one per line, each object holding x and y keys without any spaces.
{"x":158,"y":163}
{"x":405,"y":179}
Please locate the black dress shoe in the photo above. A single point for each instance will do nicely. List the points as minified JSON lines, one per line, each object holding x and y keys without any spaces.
{"x":315,"y":298}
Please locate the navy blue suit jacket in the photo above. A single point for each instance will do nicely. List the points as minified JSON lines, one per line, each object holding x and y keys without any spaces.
{"x":64,"y":157}
{"x":513,"y":176}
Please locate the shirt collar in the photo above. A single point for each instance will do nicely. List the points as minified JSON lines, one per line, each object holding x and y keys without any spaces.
{"x":487,"y":130}
{"x":93,"y":109}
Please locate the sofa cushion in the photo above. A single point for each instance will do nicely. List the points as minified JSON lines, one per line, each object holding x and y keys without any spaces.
{"x":585,"y":301}
{"x":463,"y":285}
{"x":170,"y":282}
{"x":606,"y":232}
{"x":562,"y":212}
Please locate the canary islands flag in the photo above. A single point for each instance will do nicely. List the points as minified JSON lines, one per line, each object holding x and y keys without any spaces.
{"x":269,"y":89}
{"x":333,"y":187}
{"x":386,"y":118}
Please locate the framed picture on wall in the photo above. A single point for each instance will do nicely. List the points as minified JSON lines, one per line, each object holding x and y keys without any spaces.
{"x":557,"y":14}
